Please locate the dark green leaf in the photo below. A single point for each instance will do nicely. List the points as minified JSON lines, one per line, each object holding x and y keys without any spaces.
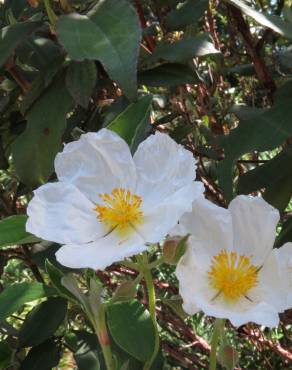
{"x":183,"y":50}
{"x":264,"y":132}
{"x":110,"y":33}
{"x":266,"y":174}
{"x":80,"y":81}
{"x":56,"y":276}
{"x":11,"y":36}
{"x":12,"y":231}
{"x":40,"y":83}
{"x":86,"y":350}
{"x":16,"y":295}
{"x":42,"y":357}
{"x":188,"y":13}
{"x":133,"y":123}
{"x":131,"y":327}
{"x":42,"y":322}
{"x":5,"y":355}
{"x":34,"y":151}
{"x":170,"y":74}
{"x":271,"y":21}
{"x":285,"y":234}
{"x":279,"y":193}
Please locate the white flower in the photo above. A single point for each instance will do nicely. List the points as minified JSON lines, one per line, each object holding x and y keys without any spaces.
{"x":230,"y":269}
{"x":107,"y":204}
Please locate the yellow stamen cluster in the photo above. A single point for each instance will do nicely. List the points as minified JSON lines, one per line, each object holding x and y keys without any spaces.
{"x":232,"y":275}
{"x":120,"y":211}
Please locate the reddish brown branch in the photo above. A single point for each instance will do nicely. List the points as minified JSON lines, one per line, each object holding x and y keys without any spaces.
{"x":261,"y":342}
{"x":259,"y":65}
{"x":150,"y":41}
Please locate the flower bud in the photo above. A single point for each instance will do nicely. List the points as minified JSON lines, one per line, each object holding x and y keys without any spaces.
{"x":174,"y":248}
{"x":228,"y":357}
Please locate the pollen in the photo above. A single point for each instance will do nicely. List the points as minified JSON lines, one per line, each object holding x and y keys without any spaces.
{"x":120,"y":211}
{"x":232,"y":276}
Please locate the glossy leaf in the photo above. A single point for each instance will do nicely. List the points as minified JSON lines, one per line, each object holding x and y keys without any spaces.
{"x":133,"y":123}
{"x":169,"y":74}
{"x":131,"y":327}
{"x":110,"y":33}
{"x":184,"y":50}
{"x":11,"y":36}
{"x":42,"y":322}
{"x":16,"y":295}
{"x":263,"y":132}
{"x":80,"y":81}
{"x":56,"y":276}
{"x":12,"y":231}
{"x":34,"y":151}
{"x":271,"y":21}
{"x":188,"y":13}
{"x":45,"y":357}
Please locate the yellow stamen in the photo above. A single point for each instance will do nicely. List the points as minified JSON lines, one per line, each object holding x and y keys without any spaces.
{"x":232,"y":275}
{"x":120,"y":211}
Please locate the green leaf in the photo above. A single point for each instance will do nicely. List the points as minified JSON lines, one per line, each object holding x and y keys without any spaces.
{"x":42,"y":322}
{"x":11,"y":36}
{"x":80,"y":81}
{"x":175,"y":303}
{"x":110,"y":33}
{"x":43,"y":357}
{"x":265,"y":131}
{"x":266,"y":174}
{"x":86,"y":349}
{"x":279,"y":193}
{"x":188,"y":13}
{"x":131,"y":327}
{"x":183,"y":50}
{"x":35,"y":149}
{"x":285,"y":234}
{"x":16,"y":295}
{"x":133,"y":123}
{"x":170,"y":74}
{"x":271,"y":21}
{"x":40,"y":83}
{"x":6,"y":354}
{"x":12,"y":231}
{"x":56,"y":277}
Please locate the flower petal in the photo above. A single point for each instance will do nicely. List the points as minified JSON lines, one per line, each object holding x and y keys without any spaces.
{"x":161,"y":219}
{"x":61,"y":213}
{"x":209,"y":224}
{"x":284,"y":256}
{"x":97,"y":163}
{"x":163,"y":166}
{"x":194,"y":287}
{"x":99,"y":254}
{"x":254,"y":226}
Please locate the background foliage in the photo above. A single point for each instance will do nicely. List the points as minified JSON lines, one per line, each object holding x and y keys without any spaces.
{"x":214,"y":75}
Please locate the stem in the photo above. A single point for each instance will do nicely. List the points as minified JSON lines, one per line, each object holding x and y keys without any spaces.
{"x":217,"y":331}
{"x":51,"y":14}
{"x":151,"y":301}
{"x":104,"y":340}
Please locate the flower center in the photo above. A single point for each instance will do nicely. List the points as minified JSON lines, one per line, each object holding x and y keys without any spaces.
{"x":232,"y":275}
{"x":120,"y":211}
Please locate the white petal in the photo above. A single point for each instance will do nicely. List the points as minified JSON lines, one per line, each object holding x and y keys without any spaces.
{"x":194,"y":287}
{"x":161,"y":219}
{"x":209,"y":224}
{"x":97,"y":163}
{"x":272,"y":283}
{"x":284,"y":256}
{"x":61,"y":213}
{"x":163,"y":166}
{"x":254,"y":226}
{"x":99,"y":254}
